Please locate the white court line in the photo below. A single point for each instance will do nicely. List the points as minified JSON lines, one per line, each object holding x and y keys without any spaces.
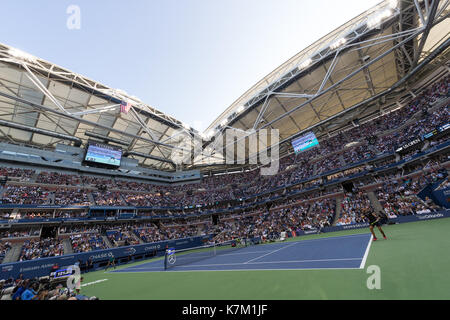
{"x":270,"y":262}
{"x":366,"y":254}
{"x":260,"y":262}
{"x":232,"y":254}
{"x":273,"y":251}
{"x":335,"y":237}
{"x":94,"y":282}
{"x":287,"y":261}
{"x":241,"y":270}
{"x":143,"y":268}
{"x":309,"y":240}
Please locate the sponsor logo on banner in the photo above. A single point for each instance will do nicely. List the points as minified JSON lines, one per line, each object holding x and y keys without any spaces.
{"x":430,"y":216}
{"x":42,"y":266}
{"x":102,"y":255}
{"x":7,"y":268}
{"x":355,"y":226}
{"x":130,"y":251}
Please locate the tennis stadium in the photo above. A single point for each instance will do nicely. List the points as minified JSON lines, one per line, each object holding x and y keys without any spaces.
{"x":328,"y":179}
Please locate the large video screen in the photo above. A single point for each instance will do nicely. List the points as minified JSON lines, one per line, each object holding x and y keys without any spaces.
{"x":305,"y":142}
{"x":103,"y":154}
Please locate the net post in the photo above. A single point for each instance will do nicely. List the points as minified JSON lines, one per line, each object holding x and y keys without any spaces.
{"x":165,"y":260}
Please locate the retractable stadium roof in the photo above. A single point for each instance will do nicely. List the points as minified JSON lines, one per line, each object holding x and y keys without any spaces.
{"x":354,"y":71}
{"x":64,"y":107}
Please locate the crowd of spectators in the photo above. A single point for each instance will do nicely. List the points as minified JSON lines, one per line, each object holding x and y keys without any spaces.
{"x":71,"y":214}
{"x":76,"y":197}
{"x":39,"y":289}
{"x":148,"y":232}
{"x":42,"y":248}
{"x":61,"y":179}
{"x":5,"y":246}
{"x":398,"y":197}
{"x":120,"y":237}
{"x":108,"y":198}
{"x":32,"y":232}
{"x":85,"y":242}
{"x":79,"y":229}
{"x":25,"y":195}
{"x":22,"y":174}
{"x":352,"y":205}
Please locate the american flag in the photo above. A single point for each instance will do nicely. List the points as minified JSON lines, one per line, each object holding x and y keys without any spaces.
{"x":125,"y":107}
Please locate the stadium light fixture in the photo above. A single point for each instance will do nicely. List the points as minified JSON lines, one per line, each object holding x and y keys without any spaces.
{"x":386,"y":13}
{"x":305,"y":64}
{"x":224,"y":122}
{"x":19,"y":54}
{"x":338,"y":43}
{"x":208,"y":135}
{"x":240,"y":109}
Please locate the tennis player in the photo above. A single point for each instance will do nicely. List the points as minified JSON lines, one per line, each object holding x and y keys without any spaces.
{"x":111,"y":262}
{"x":374,"y":220}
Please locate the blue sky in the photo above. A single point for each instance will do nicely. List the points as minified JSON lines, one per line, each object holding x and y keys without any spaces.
{"x":188,"y":58}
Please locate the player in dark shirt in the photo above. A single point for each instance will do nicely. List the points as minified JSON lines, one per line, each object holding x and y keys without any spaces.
{"x":111,"y":262}
{"x":374,"y":220}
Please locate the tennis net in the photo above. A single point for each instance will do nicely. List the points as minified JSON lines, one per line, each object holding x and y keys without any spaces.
{"x":175,"y":258}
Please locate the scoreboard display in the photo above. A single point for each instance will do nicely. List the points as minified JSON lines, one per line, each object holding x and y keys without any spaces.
{"x":103,"y":154}
{"x":305,"y":142}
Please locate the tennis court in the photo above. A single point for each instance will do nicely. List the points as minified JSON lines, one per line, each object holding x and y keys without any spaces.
{"x":413,"y":264}
{"x":344,"y":252}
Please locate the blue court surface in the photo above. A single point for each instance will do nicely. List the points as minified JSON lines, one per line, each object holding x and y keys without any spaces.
{"x":345,"y":252}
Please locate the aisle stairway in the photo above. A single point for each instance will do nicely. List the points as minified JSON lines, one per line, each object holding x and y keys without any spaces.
{"x":35,"y":175}
{"x":91,"y":198}
{"x":135,"y":237}
{"x":107,"y":242}
{"x":374,"y":202}
{"x":342,"y":160}
{"x":2,"y":191}
{"x":67,"y":246}
{"x":338,"y":210}
{"x":13,"y":255}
